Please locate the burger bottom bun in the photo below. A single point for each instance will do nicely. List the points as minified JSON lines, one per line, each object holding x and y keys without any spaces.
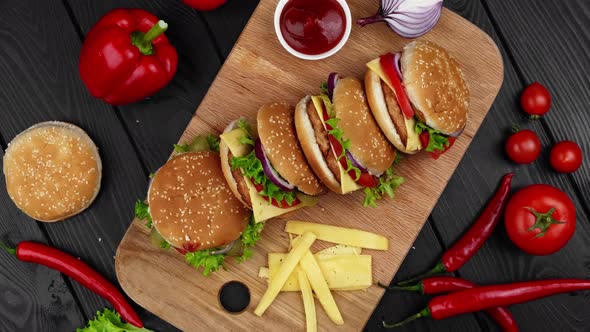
{"x":311,"y":149}
{"x":66,"y":151}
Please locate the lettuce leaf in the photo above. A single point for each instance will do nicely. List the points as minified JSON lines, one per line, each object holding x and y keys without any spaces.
{"x":109,"y":321}
{"x":142,"y":212}
{"x":213,"y":142}
{"x":388,"y":183}
{"x":200,"y":143}
{"x":251,"y":167}
{"x":250,"y":236}
{"x":437,"y":140}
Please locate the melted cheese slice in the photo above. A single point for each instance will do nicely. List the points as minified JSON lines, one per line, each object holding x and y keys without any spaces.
{"x":261,"y":208}
{"x":413,"y":143}
{"x":347,"y":183}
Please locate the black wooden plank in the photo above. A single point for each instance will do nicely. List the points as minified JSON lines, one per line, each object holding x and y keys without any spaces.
{"x":550,"y":43}
{"x":474,"y":182}
{"x":395,"y":306}
{"x":157,"y":123}
{"x":34,"y":298}
{"x":227,"y":22}
{"x":39,"y":58}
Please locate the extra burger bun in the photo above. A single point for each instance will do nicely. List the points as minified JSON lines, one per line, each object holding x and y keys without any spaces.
{"x":235,"y":179}
{"x":311,"y":148}
{"x":53,"y":171}
{"x":191,"y":204}
{"x":435,"y":86}
{"x":276,"y":130}
{"x":367,"y":143}
{"x":389,"y":117}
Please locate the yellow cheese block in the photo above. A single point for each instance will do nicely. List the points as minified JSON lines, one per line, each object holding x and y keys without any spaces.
{"x":413,"y":143}
{"x":261,"y":208}
{"x":339,"y":235}
{"x":342,"y":272}
{"x":347,"y":183}
{"x":289,"y":263}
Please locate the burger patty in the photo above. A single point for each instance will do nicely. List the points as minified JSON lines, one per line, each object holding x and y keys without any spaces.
{"x":321,"y":136}
{"x":395,"y":112}
{"x":241,"y":182}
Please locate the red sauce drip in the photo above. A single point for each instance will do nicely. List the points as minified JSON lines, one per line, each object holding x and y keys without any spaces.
{"x":312,"y":26}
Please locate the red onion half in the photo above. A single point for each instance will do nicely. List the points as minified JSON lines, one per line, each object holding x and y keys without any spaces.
{"x":407,"y":18}
{"x":355,"y":162}
{"x":268,"y":170}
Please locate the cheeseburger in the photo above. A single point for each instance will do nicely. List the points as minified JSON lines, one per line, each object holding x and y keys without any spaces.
{"x":418,"y":97}
{"x":266,"y":168}
{"x":343,"y":143}
{"x":191,"y":208}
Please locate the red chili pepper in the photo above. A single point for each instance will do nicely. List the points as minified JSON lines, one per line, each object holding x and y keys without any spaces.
{"x":462,"y":250}
{"x":485,"y":297}
{"x":445,"y":284}
{"x":74,"y":268}
{"x":126,"y":57}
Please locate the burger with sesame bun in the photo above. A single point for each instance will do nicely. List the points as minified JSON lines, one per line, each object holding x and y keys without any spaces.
{"x":265,"y":167}
{"x":191,"y":208}
{"x":343,"y":143}
{"x":418,"y":97}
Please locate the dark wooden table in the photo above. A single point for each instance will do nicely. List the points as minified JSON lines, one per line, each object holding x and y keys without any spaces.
{"x":546,"y":41}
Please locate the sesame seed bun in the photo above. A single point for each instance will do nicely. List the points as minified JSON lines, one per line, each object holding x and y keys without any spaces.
{"x":191,"y":205}
{"x":435,"y":86}
{"x":276,"y":130}
{"x":52,"y":170}
{"x":308,"y":139}
{"x":367,"y":143}
{"x":235,"y":179}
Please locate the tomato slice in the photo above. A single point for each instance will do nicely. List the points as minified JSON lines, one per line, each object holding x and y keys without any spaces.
{"x":424,"y":139}
{"x":387,"y":63}
{"x":282,"y":204}
{"x":366,"y":179}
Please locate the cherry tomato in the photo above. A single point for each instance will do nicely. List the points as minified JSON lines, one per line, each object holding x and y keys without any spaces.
{"x":535,"y":100}
{"x":566,"y":157}
{"x":204,"y":4}
{"x":540,"y":219}
{"x":523,"y":147}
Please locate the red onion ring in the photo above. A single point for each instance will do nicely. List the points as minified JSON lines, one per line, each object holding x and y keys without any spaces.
{"x":332,"y":81}
{"x":223,"y":249}
{"x":355,"y":162}
{"x":457,"y":133}
{"x":398,"y":68}
{"x":270,"y":172}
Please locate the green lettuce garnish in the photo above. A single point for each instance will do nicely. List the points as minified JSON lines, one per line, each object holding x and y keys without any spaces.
{"x":388,"y":183}
{"x":109,"y":321}
{"x":437,"y":140}
{"x":200,"y":143}
{"x":211,"y":263}
{"x":142,"y":212}
{"x":251,"y":167}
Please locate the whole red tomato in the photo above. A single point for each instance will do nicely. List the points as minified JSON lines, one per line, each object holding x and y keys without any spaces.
{"x":566,"y":157}
{"x":523,"y":147}
{"x":535,"y":100}
{"x":204,"y":4}
{"x":540,"y":219}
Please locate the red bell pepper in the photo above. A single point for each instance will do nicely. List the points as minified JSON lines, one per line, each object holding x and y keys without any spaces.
{"x":126,"y":57}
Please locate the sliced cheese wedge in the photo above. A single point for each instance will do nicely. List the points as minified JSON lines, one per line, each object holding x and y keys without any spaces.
{"x":261,"y":208}
{"x":413,"y":143}
{"x":339,"y":235}
{"x":347,"y":183}
{"x":320,"y":287}
{"x":291,"y":261}
{"x":342,"y":272}
{"x":340,"y":249}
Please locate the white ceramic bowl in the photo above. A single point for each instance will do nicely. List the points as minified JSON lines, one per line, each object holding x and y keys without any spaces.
{"x":348,"y":19}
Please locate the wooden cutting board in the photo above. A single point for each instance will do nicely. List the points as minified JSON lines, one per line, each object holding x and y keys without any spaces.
{"x":258,"y":71}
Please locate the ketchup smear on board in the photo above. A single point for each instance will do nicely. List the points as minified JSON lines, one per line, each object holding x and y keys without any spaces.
{"x":312,"y":26}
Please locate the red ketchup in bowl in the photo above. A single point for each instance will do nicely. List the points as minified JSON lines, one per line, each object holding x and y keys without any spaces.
{"x":312,"y":26}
